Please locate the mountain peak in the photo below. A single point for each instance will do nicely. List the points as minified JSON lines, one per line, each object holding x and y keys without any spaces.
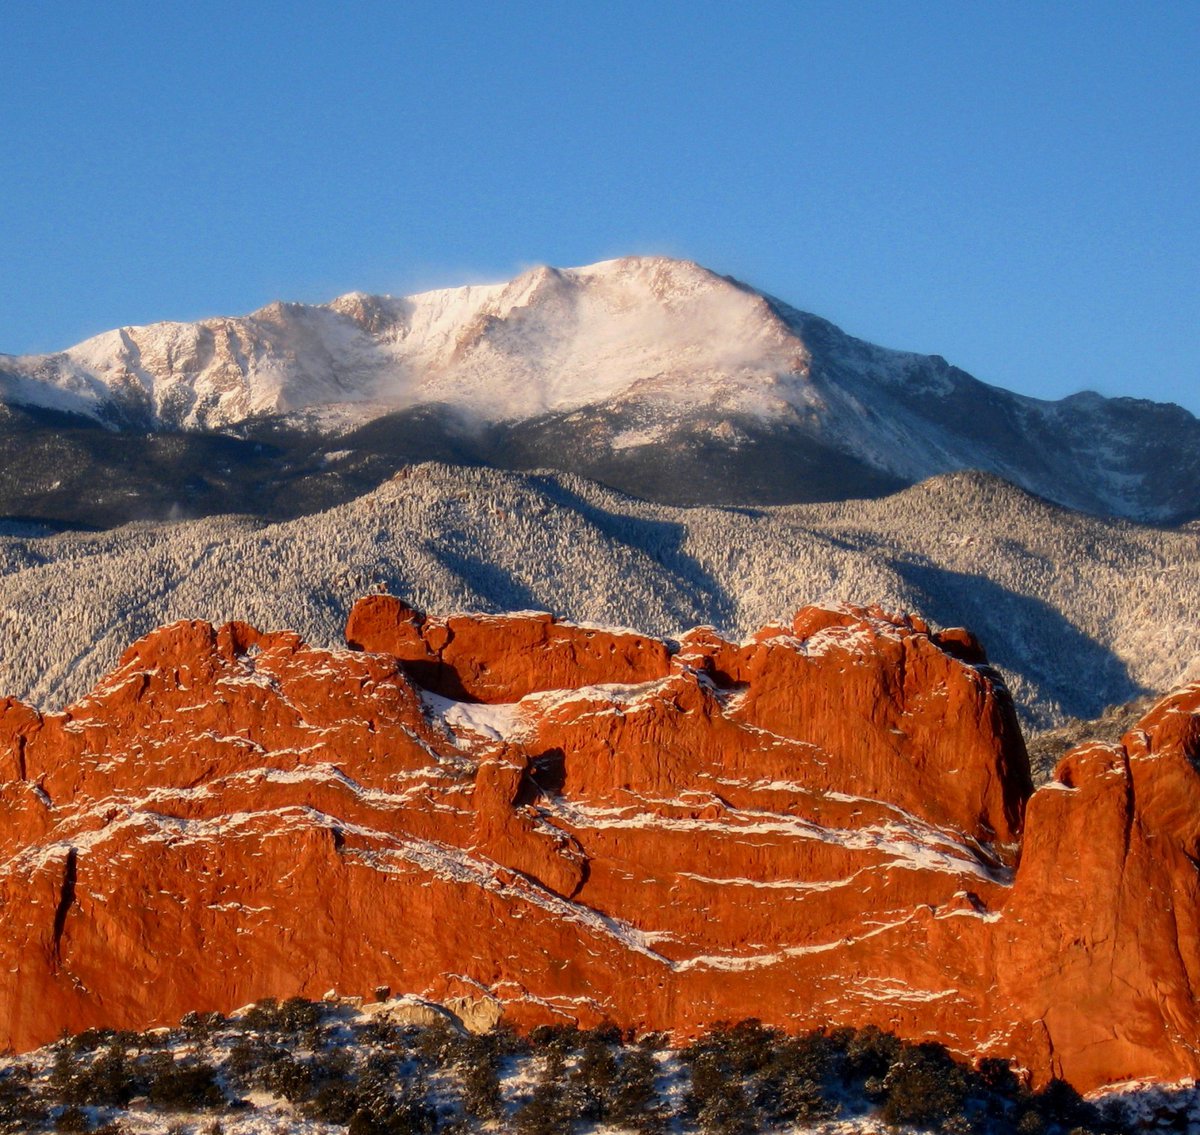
{"x":656,"y":375}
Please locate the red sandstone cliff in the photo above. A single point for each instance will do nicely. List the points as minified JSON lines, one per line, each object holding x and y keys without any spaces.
{"x":820,"y":826}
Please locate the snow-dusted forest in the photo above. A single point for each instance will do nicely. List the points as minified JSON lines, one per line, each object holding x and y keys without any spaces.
{"x":1078,"y":612}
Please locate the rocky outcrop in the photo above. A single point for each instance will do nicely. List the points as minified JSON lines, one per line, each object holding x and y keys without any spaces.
{"x":492,"y":658}
{"x":831,"y":823}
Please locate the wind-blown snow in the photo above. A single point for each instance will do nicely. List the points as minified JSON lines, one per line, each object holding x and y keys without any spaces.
{"x":549,"y":340}
{"x":678,"y":347}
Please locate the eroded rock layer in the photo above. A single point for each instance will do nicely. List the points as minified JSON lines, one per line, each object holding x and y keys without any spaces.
{"x":828,"y":824}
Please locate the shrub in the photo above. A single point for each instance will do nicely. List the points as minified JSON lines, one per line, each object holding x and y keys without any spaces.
{"x":336,"y":1101}
{"x":726,"y":1114}
{"x":924,"y":1086}
{"x":791,"y":1087}
{"x":507,"y":1041}
{"x":298,"y":1013}
{"x":478,"y":1060}
{"x":716,"y":1098}
{"x":607,"y":1034}
{"x":408,"y":1114}
{"x":291,"y":1016}
{"x":262,"y":1015}
{"x":436,"y":1044}
{"x":64,"y":1073}
{"x":382,"y":1034}
{"x":480,"y":1085}
{"x":635,"y":1102}
{"x":592,"y":1084}
{"x":294,"y":1080}
{"x":548,"y":1110}
{"x":997,"y":1076}
{"x":89,"y":1040}
{"x":1061,"y":1105}
{"x":109,"y":1081}
{"x":201,"y":1026}
{"x":802,"y":1100}
{"x":1031,"y":1123}
{"x":555,"y":1038}
{"x":72,"y":1119}
{"x":248,"y":1057}
{"x":749,"y":1046}
{"x":183,"y":1086}
{"x":869,"y":1053}
{"x":19,"y":1108}
{"x":544,"y":1113}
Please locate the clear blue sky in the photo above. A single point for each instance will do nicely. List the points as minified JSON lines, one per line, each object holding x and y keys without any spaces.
{"x":1013,"y":186}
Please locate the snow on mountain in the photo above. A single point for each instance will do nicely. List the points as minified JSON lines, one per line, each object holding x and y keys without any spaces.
{"x":656,"y":375}
{"x":1078,"y":612}
{"x":548,"y":341}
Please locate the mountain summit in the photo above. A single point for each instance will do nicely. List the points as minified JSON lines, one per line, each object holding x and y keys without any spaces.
{"x":653,"y":375}
{"x":549,"y":341}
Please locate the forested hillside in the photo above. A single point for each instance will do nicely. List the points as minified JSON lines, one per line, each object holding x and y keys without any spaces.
{"x":1078,"y":612}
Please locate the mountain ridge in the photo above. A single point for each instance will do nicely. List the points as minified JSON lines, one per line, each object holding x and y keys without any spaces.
{"x":961,"y":548}
{"x":658,"y":377}
{"x":830,"y":824}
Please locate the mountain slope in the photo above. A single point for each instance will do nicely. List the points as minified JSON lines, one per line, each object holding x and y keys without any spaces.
{"x":655,"y":376}
{"x":1049,"y":591}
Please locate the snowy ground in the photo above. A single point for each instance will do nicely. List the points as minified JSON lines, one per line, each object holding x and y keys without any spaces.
{"x":401,"y":1066}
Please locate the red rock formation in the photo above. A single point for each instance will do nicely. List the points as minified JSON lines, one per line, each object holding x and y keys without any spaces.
{"x":501,"y":658}
{"x":819,"y":826}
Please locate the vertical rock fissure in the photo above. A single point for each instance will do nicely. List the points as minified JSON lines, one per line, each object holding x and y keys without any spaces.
{"x":1130,"y":813}
{"x":65,"y":901}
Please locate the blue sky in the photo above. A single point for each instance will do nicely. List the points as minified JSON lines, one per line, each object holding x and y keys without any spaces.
{"x":1013,"y":186}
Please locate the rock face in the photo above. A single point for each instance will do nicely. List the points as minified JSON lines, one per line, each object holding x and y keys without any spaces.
{"x":831,"y":823}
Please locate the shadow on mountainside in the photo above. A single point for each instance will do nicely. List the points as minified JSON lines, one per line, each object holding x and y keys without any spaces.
{"x":1024,"y":635}
{"x":661,"y":540}
{"x":691,"y":462}
{"x":499,"y":589}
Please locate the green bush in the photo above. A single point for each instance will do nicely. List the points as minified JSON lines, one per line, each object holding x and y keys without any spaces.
{"x":336,"y":1101}
{"x":294,"y":1015}
{"x":549,"y":1110}
{"x":869,"y":1053}
{"x":294,"y":1080}
{"x":479,"y":1082}
{"x":593,"y":1082}
{"x":635,"y":1103}
{"x":924,"y":1087}
{"x":180,"y":1086}
{"x":716,"y":1097}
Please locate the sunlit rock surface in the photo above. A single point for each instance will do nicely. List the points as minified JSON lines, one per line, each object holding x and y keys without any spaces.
{"x":830,"y":823}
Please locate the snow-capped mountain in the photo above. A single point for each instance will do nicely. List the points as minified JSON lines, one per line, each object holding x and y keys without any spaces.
{"x":656,"y":376}
{"x":547,"y":342}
